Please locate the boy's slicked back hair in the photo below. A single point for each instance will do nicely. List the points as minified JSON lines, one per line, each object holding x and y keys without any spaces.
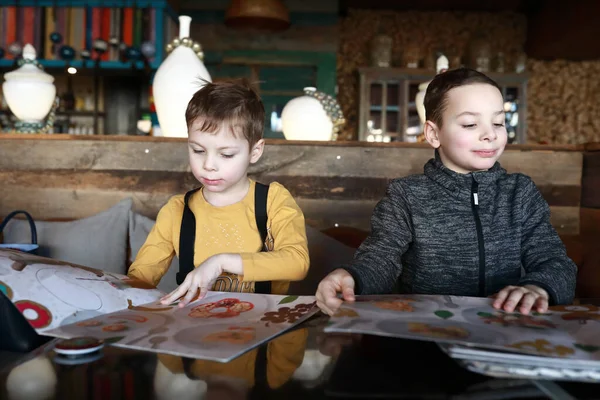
{"x":436,"y":97}
{"x":231,"y":102}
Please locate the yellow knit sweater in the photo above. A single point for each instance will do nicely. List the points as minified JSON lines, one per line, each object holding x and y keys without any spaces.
{"x":231,"y":229}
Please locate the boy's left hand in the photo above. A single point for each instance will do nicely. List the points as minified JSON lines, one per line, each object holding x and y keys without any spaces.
{"x":527,"y":297}
{"x":200,"y":279}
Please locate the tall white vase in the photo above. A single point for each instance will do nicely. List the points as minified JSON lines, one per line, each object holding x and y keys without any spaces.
{"x":177,"y":79}
{"x":441,"y":65}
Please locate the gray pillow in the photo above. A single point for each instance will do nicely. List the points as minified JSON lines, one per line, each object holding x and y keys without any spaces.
{"x":139,"y":228}
{"x":99,"y":241}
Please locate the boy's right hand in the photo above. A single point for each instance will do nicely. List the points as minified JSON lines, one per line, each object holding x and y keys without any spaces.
{"x":338,"y":281}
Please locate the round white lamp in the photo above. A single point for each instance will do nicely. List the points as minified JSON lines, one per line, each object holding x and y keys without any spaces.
{"x":179,"y":76}
{"x":169,"y":385}
{"x":30,"y":94}
{"x":314,"y":116}
{"x":34,"y":379}
{"x":441,"y":66}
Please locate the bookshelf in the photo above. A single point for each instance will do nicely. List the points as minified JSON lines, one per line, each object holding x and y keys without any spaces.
{"x":79,"y":23}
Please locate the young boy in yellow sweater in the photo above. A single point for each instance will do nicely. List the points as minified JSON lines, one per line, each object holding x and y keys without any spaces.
{"x":225,"y":126}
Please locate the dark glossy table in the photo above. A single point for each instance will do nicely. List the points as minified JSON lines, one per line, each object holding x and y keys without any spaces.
{"x":301,"y":364}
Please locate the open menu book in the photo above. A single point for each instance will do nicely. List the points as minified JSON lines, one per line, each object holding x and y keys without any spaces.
{"x":67,"y":300}
{"x":571,"y":333}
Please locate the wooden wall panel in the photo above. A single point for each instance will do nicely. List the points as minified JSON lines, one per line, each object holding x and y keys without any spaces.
{"x":590,"y":194}
{"x":334,"y":182}
{"x":560,"y":165}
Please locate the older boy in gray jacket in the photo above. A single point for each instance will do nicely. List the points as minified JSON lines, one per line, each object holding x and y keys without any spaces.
{"x":464,"y":227}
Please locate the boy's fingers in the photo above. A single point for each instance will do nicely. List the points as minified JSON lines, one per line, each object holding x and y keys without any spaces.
{"x":189,"y":296}
{"x":541,"y":305}
{"x":527,"y":302}
{"x":167,"y":297}
{"x":324,"y":308}
{"x":203,"y":293}
{"x":333,"y":304}
{"x":348,"y":293}
{"x":513,"y":299}
{"x":347,"y":286}
{"x":176,"y":294}
{"x":326,"y":290}
{"x":537,"y":290}
{"x":500,"y":297}
{"x":324,"y":297}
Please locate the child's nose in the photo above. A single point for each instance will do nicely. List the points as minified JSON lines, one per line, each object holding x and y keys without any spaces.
{"x":209,"y":164}
{"x":489,"y":133}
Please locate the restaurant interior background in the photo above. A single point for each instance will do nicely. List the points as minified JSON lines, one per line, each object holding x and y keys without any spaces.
{"x":368,"y":58}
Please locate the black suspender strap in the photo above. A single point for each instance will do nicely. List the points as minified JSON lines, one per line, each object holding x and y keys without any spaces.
{"x":187,"y":239}
{"x":261,"y":383}
{"x":261,"y":194}
{"x":187,"y":234}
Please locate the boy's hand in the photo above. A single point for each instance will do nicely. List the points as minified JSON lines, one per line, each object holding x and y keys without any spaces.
{"x":338,"y":281}
{"x":202,"y":278}
{"x":527,"y":297}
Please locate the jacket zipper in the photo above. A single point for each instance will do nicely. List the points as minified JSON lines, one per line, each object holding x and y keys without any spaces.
{"x":475,"y":207}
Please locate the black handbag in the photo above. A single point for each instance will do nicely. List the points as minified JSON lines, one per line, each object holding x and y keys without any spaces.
{"x":28,"y":248}
{"x":16,"y":334}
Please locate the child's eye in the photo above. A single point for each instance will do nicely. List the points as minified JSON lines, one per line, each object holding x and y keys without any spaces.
{"x":227,"y":155}
{"x":498,"y":125}
{"x":198,"y":151}
{"x":469,"y":126}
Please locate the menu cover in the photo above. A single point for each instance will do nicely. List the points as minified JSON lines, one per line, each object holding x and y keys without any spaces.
{"x":565,"y":332}
{"x":67,"y":300}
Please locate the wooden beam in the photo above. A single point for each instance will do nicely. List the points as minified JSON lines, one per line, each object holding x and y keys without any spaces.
{"x":547,"y":167}
{"x":590,"y":194}
{"x":58,"y":177}
{"x":170,"y":183}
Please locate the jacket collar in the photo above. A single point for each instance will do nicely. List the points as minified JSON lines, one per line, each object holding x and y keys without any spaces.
{"x":456,"y":183}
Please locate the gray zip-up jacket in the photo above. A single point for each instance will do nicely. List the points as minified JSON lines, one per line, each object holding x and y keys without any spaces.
{"x":462,"y":234}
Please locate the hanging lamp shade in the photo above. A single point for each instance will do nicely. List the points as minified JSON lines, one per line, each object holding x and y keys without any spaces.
{"x":265,"y":15}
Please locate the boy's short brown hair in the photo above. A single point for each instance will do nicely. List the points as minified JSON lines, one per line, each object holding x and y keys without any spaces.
{"x":233,"y":102}
{"x":436,"y":97}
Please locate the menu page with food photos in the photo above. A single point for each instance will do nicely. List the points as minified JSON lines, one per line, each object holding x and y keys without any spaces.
{"x":219,"y":327}
{"x":50,"y":293}
{"x":568,"y":332}
{"x":67,"y":300}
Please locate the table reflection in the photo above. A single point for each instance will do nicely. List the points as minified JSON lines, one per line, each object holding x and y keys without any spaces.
{"x":303,"y":357}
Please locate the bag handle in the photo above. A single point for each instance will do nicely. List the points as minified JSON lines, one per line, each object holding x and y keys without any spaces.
{"x":29,"y":218}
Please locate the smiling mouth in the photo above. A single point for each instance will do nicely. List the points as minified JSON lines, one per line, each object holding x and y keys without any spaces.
{"x":485,"y":153}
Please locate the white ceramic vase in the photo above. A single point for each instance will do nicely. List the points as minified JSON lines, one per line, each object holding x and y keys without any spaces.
{"x":177,"y":79}
{"x":441,"y":66}
{"x":419,"y":101}
{"x":304,"y":118}
{"x":29,"y":91}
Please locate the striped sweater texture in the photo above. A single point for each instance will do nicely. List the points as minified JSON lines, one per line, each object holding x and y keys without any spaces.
{"x":462,"y":234}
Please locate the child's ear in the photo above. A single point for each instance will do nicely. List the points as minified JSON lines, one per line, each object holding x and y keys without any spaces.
{"x":257,"y":151}
{"x":431,"y":132}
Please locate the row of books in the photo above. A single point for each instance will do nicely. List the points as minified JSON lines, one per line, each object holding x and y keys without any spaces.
{"x":79,"y":27}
